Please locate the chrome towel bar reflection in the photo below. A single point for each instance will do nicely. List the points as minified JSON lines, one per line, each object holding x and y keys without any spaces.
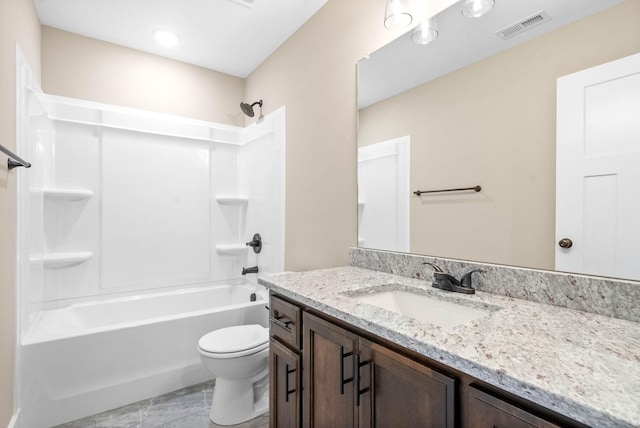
{"x":14,"y":160}
{"x":475,"y":189}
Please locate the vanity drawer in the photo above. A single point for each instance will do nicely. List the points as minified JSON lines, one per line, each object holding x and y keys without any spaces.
{"x":285,"y":321}
{"x":487,"y":411}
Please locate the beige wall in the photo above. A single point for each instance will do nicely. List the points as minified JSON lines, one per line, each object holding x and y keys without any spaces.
{"x":18,"y":23}
{"x":314,"y":74}
{"x":81,"y":67}
{"x":493,"y":124}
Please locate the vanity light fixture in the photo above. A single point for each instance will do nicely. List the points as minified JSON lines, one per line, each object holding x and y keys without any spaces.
{"x":397,"y":14}
{"x":477,"y":8}
{"x":426,"y":32}
{"x":165,"y":37}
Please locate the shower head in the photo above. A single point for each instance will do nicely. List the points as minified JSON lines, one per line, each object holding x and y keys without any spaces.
{"x":248,"y":108}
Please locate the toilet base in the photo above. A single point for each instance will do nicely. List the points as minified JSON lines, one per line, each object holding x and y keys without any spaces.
{"x":235,"y":402}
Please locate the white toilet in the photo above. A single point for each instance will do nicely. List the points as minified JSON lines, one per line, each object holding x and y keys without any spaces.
{"x":239,"y":359}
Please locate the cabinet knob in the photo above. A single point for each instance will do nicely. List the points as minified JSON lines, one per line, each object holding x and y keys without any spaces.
{"x":565,"y":243}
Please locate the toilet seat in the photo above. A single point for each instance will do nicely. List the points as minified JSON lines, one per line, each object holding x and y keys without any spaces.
{"x":233,"y":342}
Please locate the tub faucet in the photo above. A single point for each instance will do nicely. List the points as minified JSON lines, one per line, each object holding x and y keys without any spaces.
{"x":253,"y":269}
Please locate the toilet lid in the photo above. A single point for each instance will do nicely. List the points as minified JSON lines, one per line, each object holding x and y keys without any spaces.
{"x":234,"y":339}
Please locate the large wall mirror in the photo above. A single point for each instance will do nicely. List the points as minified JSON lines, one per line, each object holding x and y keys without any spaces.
{"x":477,"y":107}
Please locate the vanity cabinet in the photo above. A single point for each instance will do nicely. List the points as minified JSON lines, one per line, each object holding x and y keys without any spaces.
{"x":401,"y":392}
{"x":328,"y":377}
{"x":488,"y":411}
{"x":351,"y":381}
{"x":285,"y":382}
{"x":327,"y":373}
{"x":285,"y":364}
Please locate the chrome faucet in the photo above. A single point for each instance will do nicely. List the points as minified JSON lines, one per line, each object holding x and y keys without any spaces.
{"x":448,"y":282}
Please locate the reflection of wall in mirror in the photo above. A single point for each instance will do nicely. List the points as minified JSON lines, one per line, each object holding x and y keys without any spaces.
{"x":493,"y":124}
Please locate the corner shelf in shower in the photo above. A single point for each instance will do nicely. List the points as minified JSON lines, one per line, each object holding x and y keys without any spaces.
{"x":231,"y":249}
{"x":61,"y":260}
{"x":232,"y":199}
{"x":65,"y":194}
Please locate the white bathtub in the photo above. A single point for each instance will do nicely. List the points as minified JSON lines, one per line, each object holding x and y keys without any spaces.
{"x":93,"y":357}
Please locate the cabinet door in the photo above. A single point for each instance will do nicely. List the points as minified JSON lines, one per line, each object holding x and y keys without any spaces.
{"x":396,"y":391}
{"x":328,"y":358}
{"x":284,"y":391}
{"x":487,"y":411}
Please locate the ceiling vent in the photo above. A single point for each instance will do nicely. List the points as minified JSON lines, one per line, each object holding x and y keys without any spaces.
{"x":524,"y":25}
{"x":247,"y":3}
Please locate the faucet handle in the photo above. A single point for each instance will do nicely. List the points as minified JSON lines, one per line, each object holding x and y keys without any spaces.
{"x":434,"y":266}
{"x":466,"y":278}
{"x":256,"y":243}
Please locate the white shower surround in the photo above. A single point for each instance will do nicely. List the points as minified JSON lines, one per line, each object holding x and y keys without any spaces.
{"x":125,"y":204}
{"x":127,"y":200}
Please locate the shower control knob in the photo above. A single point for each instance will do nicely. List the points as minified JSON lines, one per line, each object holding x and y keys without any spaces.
{"x":565,"y":243}
{"x":256,"y":243}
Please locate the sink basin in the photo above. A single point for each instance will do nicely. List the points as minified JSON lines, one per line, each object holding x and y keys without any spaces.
{"x":439,"y":312}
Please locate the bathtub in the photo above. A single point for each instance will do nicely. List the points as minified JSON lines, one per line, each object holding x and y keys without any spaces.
{"x":92,"y":357}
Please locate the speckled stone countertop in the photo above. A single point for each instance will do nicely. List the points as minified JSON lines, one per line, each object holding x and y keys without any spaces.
{"x":582,"y":365}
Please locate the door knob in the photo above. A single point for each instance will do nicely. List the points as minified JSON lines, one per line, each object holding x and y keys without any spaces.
{"x":565,"y":243}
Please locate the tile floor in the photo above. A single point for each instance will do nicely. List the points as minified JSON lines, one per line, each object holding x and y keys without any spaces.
{"x":185,"y":408}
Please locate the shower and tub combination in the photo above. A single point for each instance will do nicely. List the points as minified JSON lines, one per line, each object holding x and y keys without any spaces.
{"x":132,"y":240}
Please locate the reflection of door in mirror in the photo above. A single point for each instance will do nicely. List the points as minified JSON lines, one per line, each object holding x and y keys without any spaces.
{"x":598,"y":170}
{"x":383,"y":195}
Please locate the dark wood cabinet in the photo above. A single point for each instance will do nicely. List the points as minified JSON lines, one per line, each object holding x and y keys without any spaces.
{"x":284,"y":322}
{"x":285,"y":388}
{"x":328,"y":356}
{"x":328,"y":374}
{"x":488,"y":411}
{"x":398,"y":391}
{"x":285,"y":364}
{"x":350,"y":381}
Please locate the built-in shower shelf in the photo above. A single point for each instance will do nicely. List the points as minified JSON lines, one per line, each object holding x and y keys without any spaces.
{"x":361,"y":204}
{"x":232,"y":199}
{"x":65,"y":194}
{"x":61,"y":260}
{"x":232,"y":249}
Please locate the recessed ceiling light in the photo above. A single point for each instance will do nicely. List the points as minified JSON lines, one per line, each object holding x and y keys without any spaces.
{"x":166,"y":37}
{"x":477,"y":8}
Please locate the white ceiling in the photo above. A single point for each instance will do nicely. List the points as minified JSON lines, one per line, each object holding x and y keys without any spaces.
{"x":402,"y":65}
{"x":222,"y":35}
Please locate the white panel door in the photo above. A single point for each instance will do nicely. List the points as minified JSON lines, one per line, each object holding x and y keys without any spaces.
{"x":598,"y":170}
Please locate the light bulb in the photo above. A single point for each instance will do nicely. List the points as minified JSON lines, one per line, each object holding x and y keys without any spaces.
{"x":477,"y":8}
{"x":397,"y":15}
{"x":425,"y":33}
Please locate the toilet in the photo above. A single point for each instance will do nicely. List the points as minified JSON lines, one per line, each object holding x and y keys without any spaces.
{"x":238,"y":357}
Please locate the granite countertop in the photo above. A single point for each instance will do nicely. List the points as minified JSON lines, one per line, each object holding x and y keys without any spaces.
{"x":582,"y":365}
